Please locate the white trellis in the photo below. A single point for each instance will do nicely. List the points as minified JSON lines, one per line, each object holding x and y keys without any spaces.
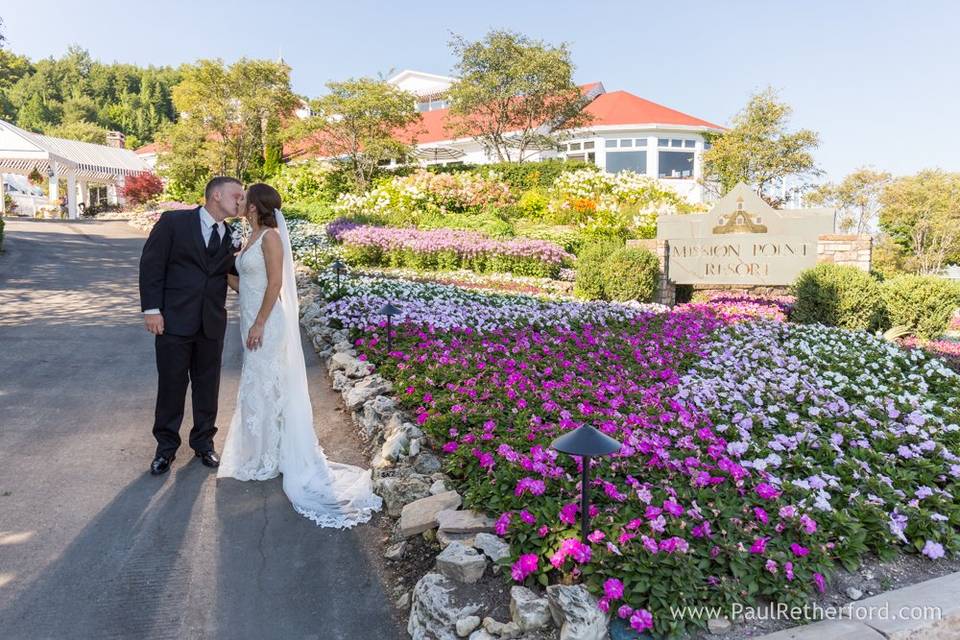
{"x":81,"y":163}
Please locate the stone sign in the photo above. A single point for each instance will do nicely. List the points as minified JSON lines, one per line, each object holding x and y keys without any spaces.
{"x":742,"y":241}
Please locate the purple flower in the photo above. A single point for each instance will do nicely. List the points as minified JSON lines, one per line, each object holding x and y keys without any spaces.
{"x":502,"y":524}
{"x":759,"y":545}
{"x":767,"y":491}
{"x":761,"y":515}
{"x":933,"y":550}
{"x":819,"y":580}
{"x":799,"y":550}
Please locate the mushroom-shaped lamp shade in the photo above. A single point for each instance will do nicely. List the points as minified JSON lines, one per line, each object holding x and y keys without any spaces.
{"x":389,"y":310}
{"x":338,"y":266}
{"x":585,"y":440}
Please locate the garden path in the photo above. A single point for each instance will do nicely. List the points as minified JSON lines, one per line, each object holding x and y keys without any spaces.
{"x":91,"y":545}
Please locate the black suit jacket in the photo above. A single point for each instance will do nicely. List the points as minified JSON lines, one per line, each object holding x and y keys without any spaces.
{"x":179,"y":278}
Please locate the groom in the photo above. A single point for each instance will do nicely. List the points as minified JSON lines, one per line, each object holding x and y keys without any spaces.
{"x":183,"y":290}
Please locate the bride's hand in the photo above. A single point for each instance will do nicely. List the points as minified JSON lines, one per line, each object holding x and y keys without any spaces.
{"x":255,"y":336}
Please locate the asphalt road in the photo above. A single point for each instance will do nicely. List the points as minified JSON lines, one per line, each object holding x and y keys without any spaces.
{"x":91,"y":545}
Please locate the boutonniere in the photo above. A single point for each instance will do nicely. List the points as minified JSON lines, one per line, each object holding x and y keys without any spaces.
{"x":236,"y":241}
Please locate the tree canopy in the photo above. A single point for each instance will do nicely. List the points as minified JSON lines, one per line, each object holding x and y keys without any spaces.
{"x":514,"y":94}
{"x":758,"y":150}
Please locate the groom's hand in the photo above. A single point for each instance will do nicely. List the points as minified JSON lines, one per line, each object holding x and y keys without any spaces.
{"x":154,"y":323}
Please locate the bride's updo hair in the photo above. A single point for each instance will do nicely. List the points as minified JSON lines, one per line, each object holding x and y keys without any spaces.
{"x":266,"y":199}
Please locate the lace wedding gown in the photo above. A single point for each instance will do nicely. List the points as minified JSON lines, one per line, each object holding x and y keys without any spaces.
{"x":272,"y":428}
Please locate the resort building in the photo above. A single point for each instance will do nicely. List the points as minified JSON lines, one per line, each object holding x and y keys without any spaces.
{"x":626,"y":132}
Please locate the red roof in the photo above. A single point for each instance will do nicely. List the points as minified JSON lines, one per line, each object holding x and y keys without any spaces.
{"x":614,"y":108}
{"x":621,"y":107}
{"x":153,"y":147}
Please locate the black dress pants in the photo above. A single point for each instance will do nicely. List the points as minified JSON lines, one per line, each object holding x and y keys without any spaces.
{"x":181,"y":360}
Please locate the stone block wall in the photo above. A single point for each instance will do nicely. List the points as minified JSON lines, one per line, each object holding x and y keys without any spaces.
{"x":852,"y":250}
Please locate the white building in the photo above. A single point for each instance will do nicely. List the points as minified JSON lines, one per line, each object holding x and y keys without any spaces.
{"x":626,"y":133}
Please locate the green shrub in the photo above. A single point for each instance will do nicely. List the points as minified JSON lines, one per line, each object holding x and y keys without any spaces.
{"x":311,"y":211}
{"x":631,"y":274}
{"x":924,"y":304}
{"x":532,"y":204}
{"x":591,"y":272}
{"x":840,"y":296}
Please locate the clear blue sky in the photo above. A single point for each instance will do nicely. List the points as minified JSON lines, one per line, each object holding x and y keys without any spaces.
{"x":878,"y":80}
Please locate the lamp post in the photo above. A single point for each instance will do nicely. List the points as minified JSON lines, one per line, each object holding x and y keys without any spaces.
{"x":389,"y":310}
{"x":587,"y":442}
{"x":338,"y":267}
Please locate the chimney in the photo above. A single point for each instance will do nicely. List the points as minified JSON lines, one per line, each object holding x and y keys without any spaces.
{"x":115,"y":139}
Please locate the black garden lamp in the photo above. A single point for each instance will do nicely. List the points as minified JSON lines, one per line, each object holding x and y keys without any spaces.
{"x":315,"y":245}
{"x":587,"y":442}
{"x":338,"y":268}
{"x":389,"y":310}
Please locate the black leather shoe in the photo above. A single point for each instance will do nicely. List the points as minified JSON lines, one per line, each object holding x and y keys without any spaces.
{"x":160,"y":465}
{"x":209,"y":458}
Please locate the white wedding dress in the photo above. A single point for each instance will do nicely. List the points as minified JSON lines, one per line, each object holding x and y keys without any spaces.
{"x":272,"y":428}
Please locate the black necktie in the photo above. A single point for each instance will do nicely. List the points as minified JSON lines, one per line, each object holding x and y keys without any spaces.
{"x":214,"y":244}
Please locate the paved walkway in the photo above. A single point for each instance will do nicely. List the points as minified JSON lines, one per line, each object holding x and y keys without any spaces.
{"x":91,"y":545}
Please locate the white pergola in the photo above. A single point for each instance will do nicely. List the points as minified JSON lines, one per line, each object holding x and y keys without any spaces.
{"x":79,"y":162}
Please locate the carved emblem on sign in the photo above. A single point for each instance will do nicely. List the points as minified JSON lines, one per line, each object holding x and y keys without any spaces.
{"x":740,"y":221}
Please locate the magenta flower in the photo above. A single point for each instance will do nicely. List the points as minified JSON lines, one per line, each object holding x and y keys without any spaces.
{"x":767,"y":491}
{"x":761,"y":515}
{"x":759,"y":545}
{"x":819,"y":580}
{"x":808,"y":524}
{"x":799,"y":550}
{"x":624,"y":612}
{"x":524,"y":566}
{"x":641,"y":620}
{"x":502,"y":524}
{"x":450,"y":447}
{"x":788,"y":570}
{"x":613,"y":589}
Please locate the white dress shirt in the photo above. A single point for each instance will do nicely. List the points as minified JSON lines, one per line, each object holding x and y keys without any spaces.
{"x":207,"y":223}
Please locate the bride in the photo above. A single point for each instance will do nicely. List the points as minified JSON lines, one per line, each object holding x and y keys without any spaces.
{"x":272,"y":429}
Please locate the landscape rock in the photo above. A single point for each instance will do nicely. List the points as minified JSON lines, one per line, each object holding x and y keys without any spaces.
{"x":437,"y":608}
{"x":493,"y":546}
{"x":403,"y":601}
{"x":481,"y":634}
{"x":421,"y":515}
{"x":395,"y":551}
{"x":444,"y":538}
{"x":464,"y":522}
{"x":398,"y":492}
{"x":502,"y":629}
{"x":427,"y":463}
{"x":366,"y":389}
{"x":528,"y":610}
{"x":414,"y":448}
{"x":438,"y":486}
{"x":461,"y":563}
{"x":853,"y":593}
{"x":466,"y":626}
{"x":393,"y":448}
{"x":719,"y":625}
{"x":340,"y":381}
{"x":575,"y":611}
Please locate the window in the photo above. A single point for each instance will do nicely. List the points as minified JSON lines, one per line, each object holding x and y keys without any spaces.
{"x":574,"y":146}
{"x":689,"y":144}
{"x":676,"y":142}
{"x":575,"y":156}
{"x":592,"y":158}
{"x":610,"y":144}
{"x":675,"y":164}
{"x":588,"y":145}
{"x":641,"y":142}
{"x":706,"y":145}
{"x":663,"y":142}
{"x":626,"y":143}
{"x":627,"y":161}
